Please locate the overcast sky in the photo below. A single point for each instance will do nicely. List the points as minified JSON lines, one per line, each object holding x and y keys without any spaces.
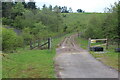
{"x":87,"y":5}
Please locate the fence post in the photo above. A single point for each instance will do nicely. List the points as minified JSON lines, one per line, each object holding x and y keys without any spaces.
{"x":30,"y":44}
{"x":89,"y":43}
{"x":38,"y":42}
{"x":78,"y":34}
{"x":106,"y":43}
{"x":118,"y":42}
{"x":24,"y":44}
{"x":49,"y":43}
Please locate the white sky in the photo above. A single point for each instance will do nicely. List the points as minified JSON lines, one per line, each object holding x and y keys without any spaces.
{"x":87,"y":5}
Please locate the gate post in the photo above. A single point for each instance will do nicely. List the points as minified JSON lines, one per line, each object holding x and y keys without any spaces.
{"x":89,"y":43}
{"x":49,"y":43}
{"x":106,"y":43}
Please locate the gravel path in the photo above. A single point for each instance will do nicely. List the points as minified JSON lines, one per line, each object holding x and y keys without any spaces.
{"x":74,"y":62}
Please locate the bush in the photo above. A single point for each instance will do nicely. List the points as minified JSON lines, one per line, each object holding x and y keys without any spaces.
{"x":26,"y":35}
{"x":10,"y":41}
{"x":7,"y":21}
{"x":89,"y":33}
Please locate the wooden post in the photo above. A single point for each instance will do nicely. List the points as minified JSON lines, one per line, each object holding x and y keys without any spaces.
{"x":31,"y":44}
{"x":89,"y":43}
{"x":118,"y":42}
{"x":49,"y":43}
{"x":34,"y":42}
{"x":24,"y":44}
{"x":106,"y":43}
{"x":38,"y":42}
{"x":78,"y":34}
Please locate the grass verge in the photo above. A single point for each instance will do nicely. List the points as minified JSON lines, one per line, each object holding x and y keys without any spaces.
{"x":109,"y":58}
{"x":30,"y":63}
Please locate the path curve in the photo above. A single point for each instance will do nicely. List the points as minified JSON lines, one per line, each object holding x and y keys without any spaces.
{"x":71,"y":61}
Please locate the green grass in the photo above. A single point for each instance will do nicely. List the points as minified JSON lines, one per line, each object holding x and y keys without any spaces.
{"x":0,"y":65}
{"x":82,"y":42}
{"x":109,"y":58}
{"x":30,"y":63}
{"x":98,"y":43}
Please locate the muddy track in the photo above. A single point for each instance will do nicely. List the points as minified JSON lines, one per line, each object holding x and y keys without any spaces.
{"x":71,"y":61}
{"x":69,"y":45}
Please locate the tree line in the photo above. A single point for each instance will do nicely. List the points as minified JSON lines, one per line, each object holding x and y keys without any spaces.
{"x":106,"y":25}
{"x":31,"y":21}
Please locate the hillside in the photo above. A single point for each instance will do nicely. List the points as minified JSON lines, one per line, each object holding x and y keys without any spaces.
{"x":94,"y":25}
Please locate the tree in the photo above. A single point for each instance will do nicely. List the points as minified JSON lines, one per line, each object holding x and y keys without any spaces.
{"x":7,"y":9}
{"x":19,"y":0}
{"x":114,"y":16}
{"x":65,"y":28}
{"x":25,"y":4}
{"x":118,"y":27}
{"x":29,"y":19}
{"x":79,"y":10}
{"x":18,"y":10}
{"x":31,"y":5}
{"x":64,"y":10}
{"x":27,"y":34}
{"x":18,"y":22}
{"x":57,"y":9}
{"x":44,"y":7}
{"x":70,"y":10}
{"x":38,"y":29}
{"x":50,"y":7}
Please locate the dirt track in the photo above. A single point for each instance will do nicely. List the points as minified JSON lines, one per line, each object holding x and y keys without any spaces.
{"x":71,"y":61}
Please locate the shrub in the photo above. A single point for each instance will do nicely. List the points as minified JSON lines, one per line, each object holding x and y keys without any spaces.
{"x":7,"y":21}
{"x":10,"y":41}
{"x":26,"y":34}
